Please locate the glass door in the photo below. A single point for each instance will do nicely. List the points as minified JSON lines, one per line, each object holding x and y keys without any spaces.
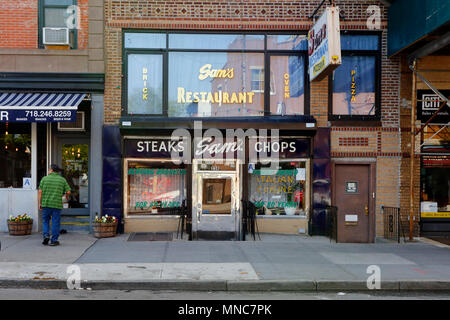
{"x":73,"y":158}
{"x":216,"y":201}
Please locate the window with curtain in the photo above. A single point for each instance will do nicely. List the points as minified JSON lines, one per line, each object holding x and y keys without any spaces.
{"x":355,"y":83}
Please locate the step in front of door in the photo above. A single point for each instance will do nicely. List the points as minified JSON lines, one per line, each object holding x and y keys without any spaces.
{"x":75,"y":223}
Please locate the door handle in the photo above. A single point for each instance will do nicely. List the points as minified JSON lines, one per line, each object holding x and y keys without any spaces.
{"x":366,"y":209}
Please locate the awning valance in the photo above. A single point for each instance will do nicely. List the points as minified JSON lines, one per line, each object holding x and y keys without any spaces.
{"x":39,"y":107}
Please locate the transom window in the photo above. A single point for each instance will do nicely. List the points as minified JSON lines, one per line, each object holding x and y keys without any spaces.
{"x":214,"y":75}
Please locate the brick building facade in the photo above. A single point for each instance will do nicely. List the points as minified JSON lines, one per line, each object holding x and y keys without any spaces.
{"x":378,"y":142}
{"x":64,"y":78}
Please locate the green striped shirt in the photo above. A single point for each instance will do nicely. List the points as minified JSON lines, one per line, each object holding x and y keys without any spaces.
{"x":53,"y":188}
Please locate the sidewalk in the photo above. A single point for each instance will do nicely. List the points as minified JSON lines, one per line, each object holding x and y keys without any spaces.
{"x":277,"y":262}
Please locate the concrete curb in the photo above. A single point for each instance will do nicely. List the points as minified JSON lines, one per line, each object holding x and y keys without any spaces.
{"x":244,"y":285}
{"x":272,"y":285}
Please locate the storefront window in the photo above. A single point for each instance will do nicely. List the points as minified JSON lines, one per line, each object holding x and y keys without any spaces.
{"x":15,"y":154}
{"x":281,"y":191}
{"x":155,"y":188}
{"x":287,"y":94}
{"x":145,"y":78}
{"x":218,"y":84}
{"x":435,"y":191}
{"x":214,"y":75}
{"x":354,"y":86}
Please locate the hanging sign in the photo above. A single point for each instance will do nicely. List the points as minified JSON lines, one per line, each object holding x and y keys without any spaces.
{"x":324,"y":45}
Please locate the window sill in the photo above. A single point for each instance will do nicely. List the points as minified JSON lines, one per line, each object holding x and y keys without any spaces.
{"x":155,"y":216}
{"x":281,"y":217}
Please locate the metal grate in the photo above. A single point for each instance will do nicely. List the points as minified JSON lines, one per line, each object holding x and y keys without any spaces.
{"x":151,"y":236}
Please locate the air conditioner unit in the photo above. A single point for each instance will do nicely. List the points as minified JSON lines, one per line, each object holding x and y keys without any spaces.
{"x":56,"y":36}
{"x":77,"y":125}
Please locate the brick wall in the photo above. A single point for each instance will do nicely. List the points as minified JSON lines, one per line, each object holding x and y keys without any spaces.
{"x":19,"y":24}
{"x":229,"y":15}
{"x":383,"y":141}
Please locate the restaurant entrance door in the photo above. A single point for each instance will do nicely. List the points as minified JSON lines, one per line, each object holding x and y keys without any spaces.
{"x":216,"y":201}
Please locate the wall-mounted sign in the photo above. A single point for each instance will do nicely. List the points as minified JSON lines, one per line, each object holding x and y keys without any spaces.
{"x":153,"y":148}
{"x":428,"y":103}
{"x":206,"y":147}
{"x":351,"y":187}
{"x":26,"y":183}
{"x":324,"y":45}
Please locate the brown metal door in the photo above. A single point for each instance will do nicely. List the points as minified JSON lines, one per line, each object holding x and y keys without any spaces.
{"x":351,"y":195}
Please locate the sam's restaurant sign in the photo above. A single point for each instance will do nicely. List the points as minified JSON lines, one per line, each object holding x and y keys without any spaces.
{"x":205,"y":72}
{"x":324,"y":45}
{"x":286,"y":148}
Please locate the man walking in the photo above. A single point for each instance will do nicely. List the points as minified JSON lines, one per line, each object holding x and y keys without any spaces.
{"x":51,"y":190}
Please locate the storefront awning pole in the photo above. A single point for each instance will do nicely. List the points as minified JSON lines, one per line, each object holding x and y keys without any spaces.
{"x":412,"y":151}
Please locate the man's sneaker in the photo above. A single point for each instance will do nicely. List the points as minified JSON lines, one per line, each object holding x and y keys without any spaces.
{"x":53,"y":244}
{"x":45,"y":242}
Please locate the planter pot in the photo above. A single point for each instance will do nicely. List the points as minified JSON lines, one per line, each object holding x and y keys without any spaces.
{"x":290,"y":211}
{"x":20,"y":228}
{"x":104,"y":230}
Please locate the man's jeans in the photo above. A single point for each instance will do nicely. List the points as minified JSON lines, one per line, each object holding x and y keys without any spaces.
{"x":55,"y":215}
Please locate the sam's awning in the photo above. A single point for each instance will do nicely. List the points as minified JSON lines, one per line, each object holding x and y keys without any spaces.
{"x":39,"y":107}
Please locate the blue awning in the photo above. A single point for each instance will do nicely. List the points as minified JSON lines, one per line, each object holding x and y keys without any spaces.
{"x":39,"y":107}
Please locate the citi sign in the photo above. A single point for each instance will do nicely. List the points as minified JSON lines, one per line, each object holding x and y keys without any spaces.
{"x":430,"y":102}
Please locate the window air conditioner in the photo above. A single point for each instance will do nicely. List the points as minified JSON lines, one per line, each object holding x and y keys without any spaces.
{"x":56,"y":36}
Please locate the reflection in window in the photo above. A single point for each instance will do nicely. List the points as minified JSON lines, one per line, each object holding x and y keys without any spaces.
{"x":354,"y":86}
{"x":155,"y":188}
{"x":359,"y":42}
{"x":216,"y":196}
{"x":15,"y":154}
{"x":215,"y":84}
{"x":287,"y":42}
{"x":288,"y":77}
{"x":145,"y":40}
{"x":75,"y":161}
{"x":257,"y":83}
{"x":279,"y":192}
{"x":216,"y":41}
{"x":145,"y":79}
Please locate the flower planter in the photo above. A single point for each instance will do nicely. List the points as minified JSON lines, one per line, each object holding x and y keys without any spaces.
{"x":104,"y":230}
{"x":20,"y":228}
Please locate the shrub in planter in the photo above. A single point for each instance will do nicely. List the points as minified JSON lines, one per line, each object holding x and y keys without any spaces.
{"x":105,"y":226}
{"x":20,"y":225}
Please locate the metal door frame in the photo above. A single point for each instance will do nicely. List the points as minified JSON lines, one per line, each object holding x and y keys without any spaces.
{"x":197,"y":195}
{"x":59,"y":141}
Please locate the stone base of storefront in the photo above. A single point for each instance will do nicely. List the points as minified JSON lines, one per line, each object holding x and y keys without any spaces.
{"x":151,"y":224}
{"x":282,"y":224}
{"x":266,"y":224}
